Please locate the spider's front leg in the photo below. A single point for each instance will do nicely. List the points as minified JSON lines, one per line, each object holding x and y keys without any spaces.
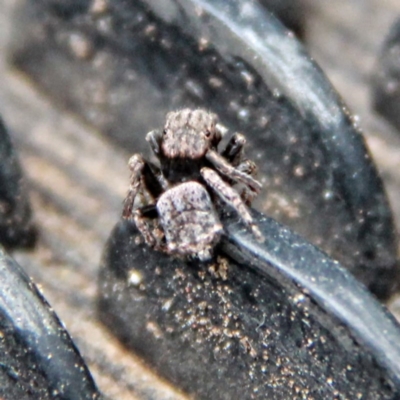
{"x":233,"y":151}
{"x":234,"y":173}
{"x":232,"y":198}
{"x":154,"y":138}
{"x":234,"y":154}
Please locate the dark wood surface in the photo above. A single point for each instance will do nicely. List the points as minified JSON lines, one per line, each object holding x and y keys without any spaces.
{"x":78,"y":180}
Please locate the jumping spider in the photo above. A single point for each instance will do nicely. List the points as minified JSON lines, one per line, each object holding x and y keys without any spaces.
{"x":174,"y":205}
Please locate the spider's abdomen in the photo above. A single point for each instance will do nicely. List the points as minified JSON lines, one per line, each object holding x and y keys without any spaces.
{"x":189,"y":220}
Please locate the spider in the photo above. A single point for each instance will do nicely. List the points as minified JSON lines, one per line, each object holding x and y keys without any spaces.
{"x":174,"y":205}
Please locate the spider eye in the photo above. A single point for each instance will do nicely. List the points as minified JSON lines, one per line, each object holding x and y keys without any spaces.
{"x":208,"y":134}
{"x":164,"y":132}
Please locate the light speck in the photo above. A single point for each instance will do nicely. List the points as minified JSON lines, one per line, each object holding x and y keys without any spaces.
{"x":328,"y":195}
{"x":99,"y":6}
{"x":135,"y":278}
{"x":167,"y":304}
{"x":80,"y":46}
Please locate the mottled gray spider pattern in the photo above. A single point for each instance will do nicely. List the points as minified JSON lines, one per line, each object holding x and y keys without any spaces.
{"x":175,"y":204}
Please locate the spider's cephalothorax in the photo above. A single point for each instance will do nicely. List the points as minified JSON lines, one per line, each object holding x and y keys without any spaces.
{"x":175,"y":211}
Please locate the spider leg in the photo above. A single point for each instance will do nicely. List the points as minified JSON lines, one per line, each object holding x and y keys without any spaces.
{"x":154,"y":139}
{"x":247,"y":167}
{"x":144,"y":176}
{"x":226,"y":169}
{"x":150,"y":230}
{"x":233,"y":151}
{"x":154,"y":180}
{"x":232,"y":198}
{"x":144,"y":228}
{"x":136,"y":165}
